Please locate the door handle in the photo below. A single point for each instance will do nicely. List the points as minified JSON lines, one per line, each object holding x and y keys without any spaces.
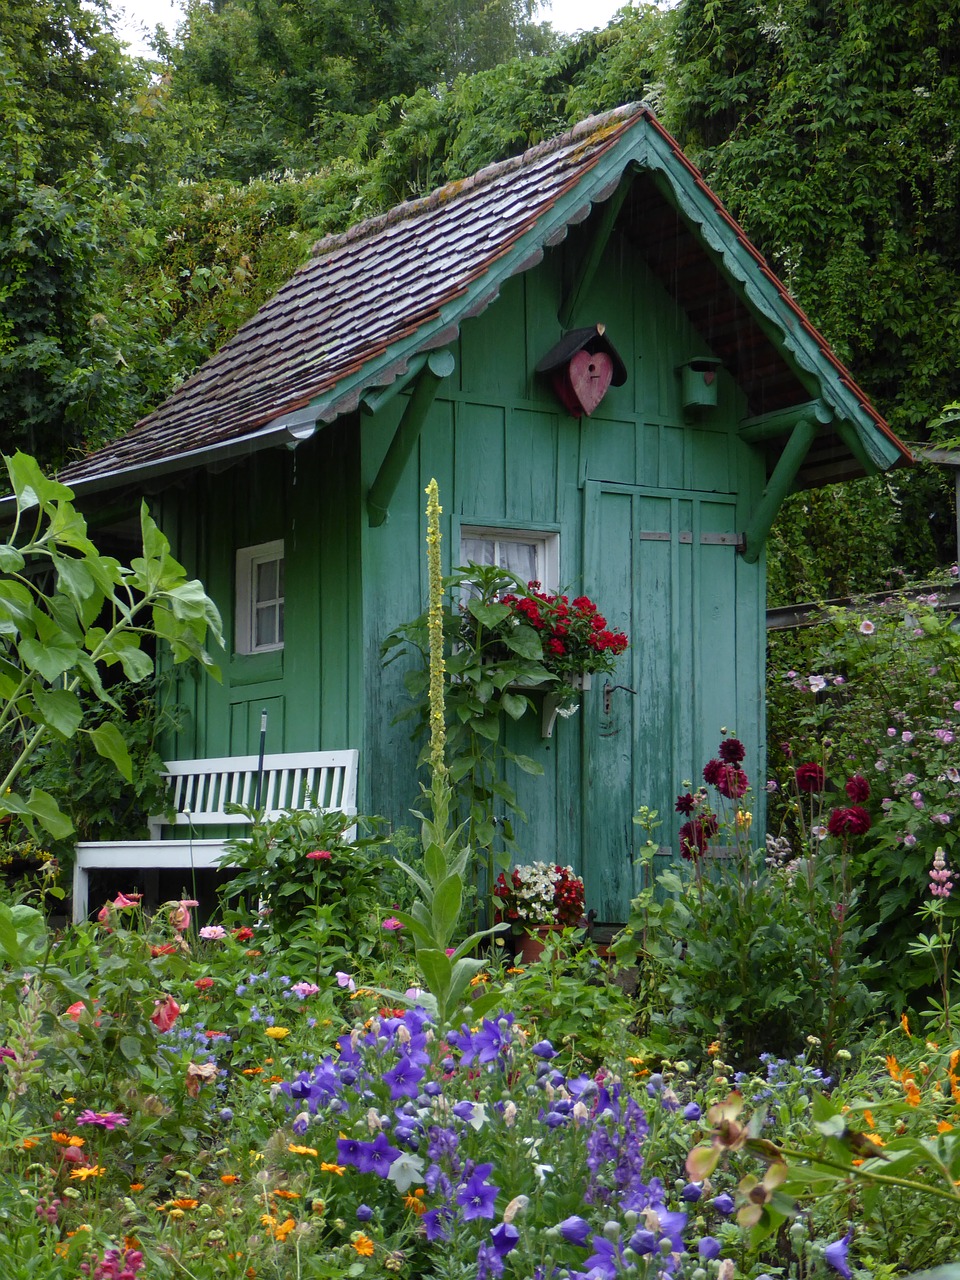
{"x":609,"y":690}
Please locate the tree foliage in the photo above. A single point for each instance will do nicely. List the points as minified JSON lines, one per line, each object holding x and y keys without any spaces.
{"x":830,"y":129}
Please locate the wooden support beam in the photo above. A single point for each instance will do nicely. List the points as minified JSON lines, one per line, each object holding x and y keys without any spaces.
{"x":768,"y":426}
{"x":438,"y":365}
{"x":778,"y":486}
{"x":373,"y":401}
{"x":591,"y":259}
{"x":850,"y":438}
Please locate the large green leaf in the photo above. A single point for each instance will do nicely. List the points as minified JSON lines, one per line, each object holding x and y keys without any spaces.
{"x":488,"y":615}
{"x":447,"y":903}
{"x":30,"y":485}
{"x":109,"y":743}
{"x":436,"y":968}
{"x":58,"y":708}
{"x":42,"y":806}
{"x":50,"y":659}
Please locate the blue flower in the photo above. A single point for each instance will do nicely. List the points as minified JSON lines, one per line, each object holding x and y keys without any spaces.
{"x":691,"y":1111}
{"x":544,"y":1049}
{"x":691,"y":1192}
{"x":403,"y":1080}
{"x":505,"y":1238}
{"x":364,"y":1213}
{"x":709,"y":1248}
{"x":836,"y":1256}
{"x":724,"y":1202}
{"x":477,"y":1196}
{"x":575,"y":1230}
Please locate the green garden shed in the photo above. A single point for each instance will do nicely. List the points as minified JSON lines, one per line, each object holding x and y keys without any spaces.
{"x":289,"y":473}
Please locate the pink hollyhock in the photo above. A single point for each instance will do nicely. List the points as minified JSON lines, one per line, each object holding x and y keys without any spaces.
{"x":165,"y":1013}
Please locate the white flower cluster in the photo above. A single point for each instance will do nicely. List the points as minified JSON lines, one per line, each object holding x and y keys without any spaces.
{"x":535,"y":897}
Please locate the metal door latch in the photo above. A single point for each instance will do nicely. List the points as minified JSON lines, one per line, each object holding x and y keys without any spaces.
{"x":609,"y":690}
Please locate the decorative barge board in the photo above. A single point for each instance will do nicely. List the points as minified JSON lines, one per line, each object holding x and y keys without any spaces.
{"x":289,"y":472}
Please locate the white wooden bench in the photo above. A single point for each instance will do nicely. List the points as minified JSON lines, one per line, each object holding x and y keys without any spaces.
{"x":200,"y":791}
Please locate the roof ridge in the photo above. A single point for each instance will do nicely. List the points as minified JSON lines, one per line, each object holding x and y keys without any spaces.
{"x":460,"y":186}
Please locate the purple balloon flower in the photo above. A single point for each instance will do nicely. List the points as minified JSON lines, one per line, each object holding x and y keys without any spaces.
{"x":691,"y":1111}
{"x":404,"y":1079}
{"x":836,"y":1255}
{"x":575,"y":1230}
{"x":477,"y":1196}
{"x":709,"y":1248}
{"x":505,"y":1237}
{"x":724,"y":1202}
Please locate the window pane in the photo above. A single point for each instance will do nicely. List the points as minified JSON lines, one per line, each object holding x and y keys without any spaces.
{"x":266,"y":588}
{"x":477,"y":551}
{"x":265,"y":625}
{"x":520,"y":558}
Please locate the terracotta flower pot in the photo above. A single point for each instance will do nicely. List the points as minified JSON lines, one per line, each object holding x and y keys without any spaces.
{"x":534,"y":940}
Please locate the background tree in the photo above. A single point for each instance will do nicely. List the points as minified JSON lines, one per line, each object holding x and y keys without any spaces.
{"x":830,"y":129}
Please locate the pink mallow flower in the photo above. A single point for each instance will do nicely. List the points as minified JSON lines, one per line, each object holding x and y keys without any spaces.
{"x":304,"y":989}
{"x":392,"y":923}
{"x":344,"y":980}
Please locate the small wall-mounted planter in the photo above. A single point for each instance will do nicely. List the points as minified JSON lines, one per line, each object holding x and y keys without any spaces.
{"x":552,"y":704}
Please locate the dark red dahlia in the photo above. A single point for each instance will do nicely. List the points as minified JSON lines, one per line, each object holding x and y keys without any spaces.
{"x":712,"y":772}
{"x":686,"y":804}
{"x":732,"y":782}
{"x":732,"y":750}
{"x":810,"y":777}
{"x":695,"y":835}
{"x":858,"y":788}
{"x":852,"y":821}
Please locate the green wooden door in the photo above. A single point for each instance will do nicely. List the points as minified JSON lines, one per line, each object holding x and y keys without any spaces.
{"x":663,"y":567}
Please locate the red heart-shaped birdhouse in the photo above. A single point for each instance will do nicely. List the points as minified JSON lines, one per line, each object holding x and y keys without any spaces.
{"x":589,"y":376}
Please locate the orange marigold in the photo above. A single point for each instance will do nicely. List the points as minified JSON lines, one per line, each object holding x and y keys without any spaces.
{"x":363,"y":1245}
{"x":228,"y":1179}
{"x":285,"y":1195}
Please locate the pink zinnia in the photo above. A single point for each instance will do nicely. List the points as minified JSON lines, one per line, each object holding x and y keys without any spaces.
{"x":320,"y":855}
{"x":104,"y":1119}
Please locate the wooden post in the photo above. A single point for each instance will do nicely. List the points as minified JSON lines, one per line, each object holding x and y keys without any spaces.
{"x":778,"y":486}
{"x":439,"y":365}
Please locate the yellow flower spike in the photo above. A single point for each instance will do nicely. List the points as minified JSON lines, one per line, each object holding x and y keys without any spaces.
{"x":438,"y":731}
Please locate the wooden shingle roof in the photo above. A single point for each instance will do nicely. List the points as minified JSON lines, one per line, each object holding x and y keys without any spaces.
{"x":371,"y":299}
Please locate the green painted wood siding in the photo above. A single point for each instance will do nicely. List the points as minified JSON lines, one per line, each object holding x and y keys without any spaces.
{"x":312,"y":688}
{"x":505,"y":454}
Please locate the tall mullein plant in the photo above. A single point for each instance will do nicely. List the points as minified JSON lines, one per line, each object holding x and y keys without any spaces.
{"x":434,"y":918}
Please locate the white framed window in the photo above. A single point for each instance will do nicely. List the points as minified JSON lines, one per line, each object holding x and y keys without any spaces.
{"x":532,"y":555}
{"x":259,"y":621}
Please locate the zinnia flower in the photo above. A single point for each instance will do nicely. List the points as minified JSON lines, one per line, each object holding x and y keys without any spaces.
{"x":180,"y":914}
{"x":103,"y":1119}
{"x":277,"y":1033}
{"x":213,"y":932}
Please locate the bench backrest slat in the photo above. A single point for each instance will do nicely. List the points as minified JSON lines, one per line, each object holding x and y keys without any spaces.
{"x":200,"y":790}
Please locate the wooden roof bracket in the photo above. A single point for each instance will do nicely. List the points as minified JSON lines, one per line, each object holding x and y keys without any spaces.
{"x":437,"y":366}
{"x":779,"y":485}
{"x":590,"y":262}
